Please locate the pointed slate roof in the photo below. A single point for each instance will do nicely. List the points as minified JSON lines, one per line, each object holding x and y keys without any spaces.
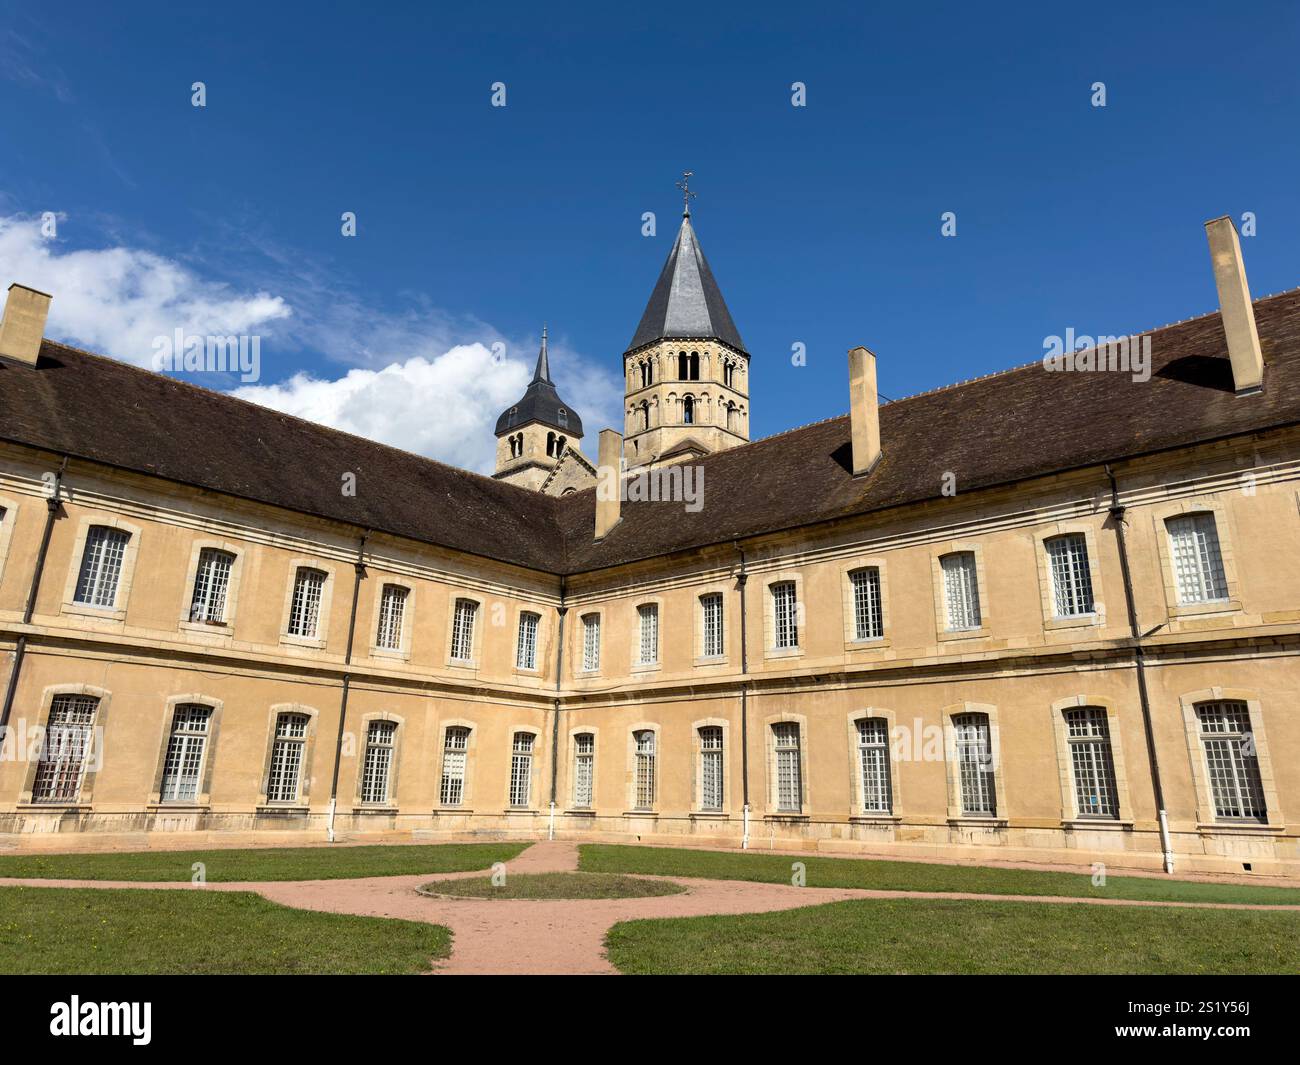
{"x":541,"y":403}
{"x":686,"y":301}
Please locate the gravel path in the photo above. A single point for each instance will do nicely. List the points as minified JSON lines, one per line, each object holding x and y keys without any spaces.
{"x":561,"y":937}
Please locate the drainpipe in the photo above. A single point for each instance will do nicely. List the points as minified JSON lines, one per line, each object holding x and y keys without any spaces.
{"x":742,"y":578}
{"x":555,"y":713}
{"x":359,"y":570}
{"x":1139,"y":661}
{"x":52,"y":504}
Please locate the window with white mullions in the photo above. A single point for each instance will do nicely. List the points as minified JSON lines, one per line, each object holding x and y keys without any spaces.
{"x":392,"y":617}
{"x":211,"y":582}
{"x":584,"y":769}
{"x":789,"y":772}
{"x":590,"y":642}
{"x":873,"y":759}
{"x":1071,"y":579}
{"x":711,"y":607}
{"x":1092,"y":762}
{"x":462,"y":630}
{"x":648,"y":619}
{"x":785,"y":615}
{"x":1198,"y":563}
{"x":868,"y":619}
{"x":711,"y":767}
{"x":304,"y":608}
{"x":1232,"y":761}
{"x":183,"y":763}
{"x":101,"y":566}
{"x":975,"y":765}
{"x":521,"y":769}
{"x":961,"y":589}
{"x":644,"y":776}
{"x":286,"y":758}
{"x":378,"y":762}
{"x":454,"y":752}
{"x":526,"y":648}
{"x":64,"y":749}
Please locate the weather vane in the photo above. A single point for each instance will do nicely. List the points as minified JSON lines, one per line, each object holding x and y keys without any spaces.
{"x":687,"y":194}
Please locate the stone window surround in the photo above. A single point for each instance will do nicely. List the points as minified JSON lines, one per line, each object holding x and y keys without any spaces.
{"x":203,"y":799}
{"x":697,"y":760}
{"x":579,"y":638}
{"x":305,"y":779}
{"x":1223,"y":527}
{"x":1206,"y":823}
{"x":326,"y":599}
{"x":1046,"y":588}
{"x":952,"y":547}
{"x":1070,"y":816}
{"x":10,"y":507}
{"x":538,"y":749}
{"x":540,"y":651}
{"x":394,"y":766}
{"x":637,"y":665}
{"x":956,"y":816}
{"x":856,"y":814}
{"x":847,"y":569}
{"x":571,"y":765}
{"x":769,"y":767}
{"x":631,"y":809}
{"x":476,"y":635}
{"x":700,"y":659}
{"x":117,"y":612}
{"x":770,"y":650}
{"x":227,"y":627}
{"x":85,"y":795}
{"x":403,"y":651}
{"x":467,"y":784}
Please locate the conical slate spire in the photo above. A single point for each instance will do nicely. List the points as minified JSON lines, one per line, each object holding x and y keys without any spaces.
{"x":541,"y":402}
{"x":686,"y":301}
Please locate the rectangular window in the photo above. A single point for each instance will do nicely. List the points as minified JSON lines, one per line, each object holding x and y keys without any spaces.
{"x":789,"y":774}
{"x":648,"y":616}
{"x":185,"y":747}
{"x":711,"y":768}
{"x":1071,"y":579}
{"x":873,"y":757}
{"x":785,"y":615}
{"x":1232,"y":761}
{"x":1198,"y":565}
{"x":711,"y":605}
{"x":1091,"y":759}
{"x":211,"y":581}
{"x":392,"y":617}
{"x":645,"y":769}
{"x":868,"y":620}
{"x":584,"y":766}
{"x":526,"y":649}
{"x":961,"y":589}
{"x":101,"y":566}
{"x":286,"y":758}
{"x":378,"y":763}
{"x":590,"y":642}
{"x":975,"y":765}
{"x":462,"y":630}
{"x":454,"y":752}
{"x":64,"y":748}
{"x":521,"y":769}
{"x":304,"y":609}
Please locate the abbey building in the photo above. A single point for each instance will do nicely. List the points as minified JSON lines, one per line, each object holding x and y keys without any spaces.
{"x":1046,"y":616}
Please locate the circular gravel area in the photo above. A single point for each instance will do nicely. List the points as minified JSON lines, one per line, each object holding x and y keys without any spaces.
{"x":541,"y":887}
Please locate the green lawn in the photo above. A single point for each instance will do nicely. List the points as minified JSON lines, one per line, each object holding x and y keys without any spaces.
{"x":65,"y":930}
{"x":556,"y":886}
{"x":912,"y":876}
{"x":904,"y":936}
{"x":269,"y":863}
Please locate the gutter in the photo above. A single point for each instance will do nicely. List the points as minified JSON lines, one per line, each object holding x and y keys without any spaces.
{"x":1139,"y":662}
{"x":359,"y":570}
{"x":562,"y":609}
{"x":53,"y":502}
{"x":742,"y":578}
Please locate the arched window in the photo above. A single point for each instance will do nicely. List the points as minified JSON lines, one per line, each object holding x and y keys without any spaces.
{"x":563,"y":418}
{"x":688,"y":410}
{"x":694,"y":365}
{"x":728,"y":373}
{"x":731,"y":417}
{"x":550,"y":444}
{"x":683,"y":366}
{"x":645,"y":415}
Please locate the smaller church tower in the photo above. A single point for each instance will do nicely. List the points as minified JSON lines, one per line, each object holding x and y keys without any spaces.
{"x":532,"y":435}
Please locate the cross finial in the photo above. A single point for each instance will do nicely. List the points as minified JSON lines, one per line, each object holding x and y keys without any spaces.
{"x":687,"y":194}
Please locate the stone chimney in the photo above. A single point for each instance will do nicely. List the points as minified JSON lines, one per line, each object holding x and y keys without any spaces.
{"x":23,"y":326}
{"x":609,"y":482}
{"x":865,"y":401}
{"x":1234,"y":304}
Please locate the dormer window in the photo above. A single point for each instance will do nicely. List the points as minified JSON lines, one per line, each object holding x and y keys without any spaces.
{"x":563,"y":418}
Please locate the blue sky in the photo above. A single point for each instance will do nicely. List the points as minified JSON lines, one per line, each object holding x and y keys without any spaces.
{"x":475,"y":223}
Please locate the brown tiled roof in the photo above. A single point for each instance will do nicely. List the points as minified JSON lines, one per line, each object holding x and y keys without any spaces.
{"x":995,"y":430}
